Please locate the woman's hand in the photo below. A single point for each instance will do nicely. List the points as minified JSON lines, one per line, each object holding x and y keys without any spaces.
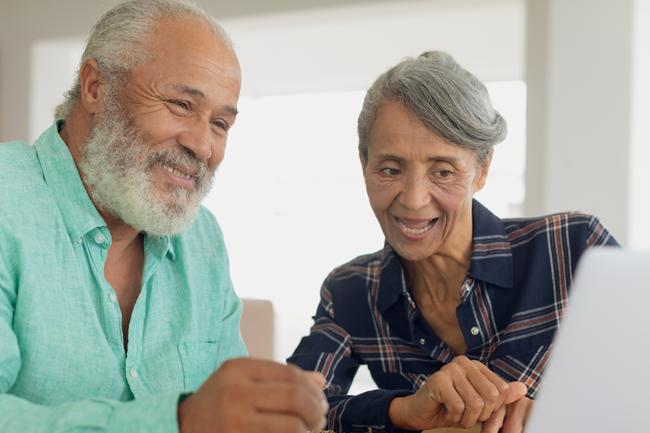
{"x":510,"y":418}
{"x":460,"y":394}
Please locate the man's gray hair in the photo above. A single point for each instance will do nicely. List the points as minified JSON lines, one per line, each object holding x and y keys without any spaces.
{"x":448,"y":100}
{"x":120,"y":39}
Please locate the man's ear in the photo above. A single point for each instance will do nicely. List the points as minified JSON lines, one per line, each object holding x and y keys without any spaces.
{"x":483,"y":169}
{"x":91,"y":85}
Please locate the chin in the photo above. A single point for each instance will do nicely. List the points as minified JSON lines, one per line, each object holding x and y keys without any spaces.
{"x":413,"y":253}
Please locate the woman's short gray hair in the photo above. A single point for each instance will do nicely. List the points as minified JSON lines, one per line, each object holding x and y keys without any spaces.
{"x":119,"y":40}
{"x":448,"y":100}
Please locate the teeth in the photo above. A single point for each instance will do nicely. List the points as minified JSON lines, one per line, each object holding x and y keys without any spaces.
{"x":415,"y":231}
{"x":176,"y":172}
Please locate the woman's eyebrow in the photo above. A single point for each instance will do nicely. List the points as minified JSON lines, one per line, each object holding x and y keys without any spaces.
{"x":433,"y":158}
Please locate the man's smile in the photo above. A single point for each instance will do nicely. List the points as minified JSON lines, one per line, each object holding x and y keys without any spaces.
{"x":176,"y":171}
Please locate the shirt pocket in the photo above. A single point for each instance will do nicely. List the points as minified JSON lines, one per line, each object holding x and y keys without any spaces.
{"x":199,"y":360}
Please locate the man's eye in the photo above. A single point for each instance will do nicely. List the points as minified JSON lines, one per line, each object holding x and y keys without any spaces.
{"x":390,"y":171}
{"x":220,"y":124}
{"x":182,"y":104}
{"x":442,"y":173}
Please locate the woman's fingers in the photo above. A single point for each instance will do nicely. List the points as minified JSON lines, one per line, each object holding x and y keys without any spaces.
{"x":482,"y":392}
{"x":516,"y":415}
{"x":494,"y":422}
{"x":516,"y":390}
{"x":492,"y":389}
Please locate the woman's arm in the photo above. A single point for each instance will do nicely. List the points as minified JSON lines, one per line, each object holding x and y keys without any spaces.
{"x":460,"y":394}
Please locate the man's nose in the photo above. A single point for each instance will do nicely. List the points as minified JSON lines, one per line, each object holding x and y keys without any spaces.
{"x":415,"y":193}
{"x":197,"y":137}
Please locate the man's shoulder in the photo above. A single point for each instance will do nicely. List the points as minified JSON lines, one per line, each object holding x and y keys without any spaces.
{"x":20,"y":171}
{"x":19,"y":155}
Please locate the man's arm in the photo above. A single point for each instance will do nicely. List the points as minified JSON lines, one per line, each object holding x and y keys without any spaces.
{"x":247,"y":395}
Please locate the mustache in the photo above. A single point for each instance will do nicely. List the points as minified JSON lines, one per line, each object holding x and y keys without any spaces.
{"x":183,"y":158}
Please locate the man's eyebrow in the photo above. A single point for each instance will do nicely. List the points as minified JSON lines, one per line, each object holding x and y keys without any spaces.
{"x":199,"y":94}
{"x":191,"y":90}
{"x":231,"y":110}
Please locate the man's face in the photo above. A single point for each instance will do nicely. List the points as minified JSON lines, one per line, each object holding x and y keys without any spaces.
{"x":151,"y":162}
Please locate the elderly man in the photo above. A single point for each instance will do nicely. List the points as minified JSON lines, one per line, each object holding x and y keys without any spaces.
{"x":115,"y":297}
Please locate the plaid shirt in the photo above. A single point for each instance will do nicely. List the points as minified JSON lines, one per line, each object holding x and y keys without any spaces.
{"x":512,"y":300}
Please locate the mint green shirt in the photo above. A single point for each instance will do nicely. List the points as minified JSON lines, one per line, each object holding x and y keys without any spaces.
{"x":63,"y":367}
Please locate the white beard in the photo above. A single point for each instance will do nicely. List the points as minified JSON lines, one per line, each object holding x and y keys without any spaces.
{"x":117,"y":163}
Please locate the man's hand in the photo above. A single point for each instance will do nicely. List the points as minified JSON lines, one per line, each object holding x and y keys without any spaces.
{"x":248,"y":395}
{"x":460,"y":394}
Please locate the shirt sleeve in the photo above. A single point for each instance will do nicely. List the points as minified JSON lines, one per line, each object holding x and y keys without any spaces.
{"x":328,"y":349}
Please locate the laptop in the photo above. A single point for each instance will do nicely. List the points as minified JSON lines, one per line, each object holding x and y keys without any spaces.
{"x":598,"y":378}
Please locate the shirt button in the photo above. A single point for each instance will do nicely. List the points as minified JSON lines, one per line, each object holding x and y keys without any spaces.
{"x":474,"y":331}
{"x":134,"y":373}
{"x":422,"y":341}
{"x":467,"y":287}
{"x":113,"y":298}
{"x":99,"y":238}
{"x":80,"y":240}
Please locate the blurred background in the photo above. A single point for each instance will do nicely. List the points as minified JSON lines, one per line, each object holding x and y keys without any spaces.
{"x":571,"y":77}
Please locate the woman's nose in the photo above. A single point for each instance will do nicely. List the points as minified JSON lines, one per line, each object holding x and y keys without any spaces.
{"x":415,"y":194}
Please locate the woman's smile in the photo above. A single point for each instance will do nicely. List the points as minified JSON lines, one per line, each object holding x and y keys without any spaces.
{"x":420,"y":186}
{"x":415,"y":230}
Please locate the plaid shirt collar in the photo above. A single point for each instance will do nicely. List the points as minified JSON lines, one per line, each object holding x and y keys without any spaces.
{"x":491,"y":259}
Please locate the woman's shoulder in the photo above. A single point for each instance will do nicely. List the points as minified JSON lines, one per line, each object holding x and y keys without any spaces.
{"x":359,"y":264}
{"x":576,"y":224}
{"x":361,"y":273}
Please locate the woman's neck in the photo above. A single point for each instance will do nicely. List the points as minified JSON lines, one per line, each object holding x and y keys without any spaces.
{"x":441,"y":275}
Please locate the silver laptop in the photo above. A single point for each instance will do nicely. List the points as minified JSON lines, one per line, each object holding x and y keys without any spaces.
{"x":598,"y":378}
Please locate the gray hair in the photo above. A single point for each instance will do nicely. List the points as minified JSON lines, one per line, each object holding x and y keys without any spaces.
{"x":448,"y":100}
{"x":119,"y":40}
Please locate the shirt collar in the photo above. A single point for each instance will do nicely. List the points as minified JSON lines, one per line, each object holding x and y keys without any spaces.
{"x":62,"y":177}
{"x":491,"y":259}
{"x":491,"y":252}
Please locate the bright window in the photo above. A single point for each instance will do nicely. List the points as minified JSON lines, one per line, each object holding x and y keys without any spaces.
{"x":291,"y":200}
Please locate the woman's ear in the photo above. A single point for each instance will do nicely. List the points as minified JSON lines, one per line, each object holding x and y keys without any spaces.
{"x":483,"y":169}
{"x":91,"y":84}
{"x":364,"y":162}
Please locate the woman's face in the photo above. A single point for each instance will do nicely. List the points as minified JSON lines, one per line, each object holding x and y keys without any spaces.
{"x":420,"y":186}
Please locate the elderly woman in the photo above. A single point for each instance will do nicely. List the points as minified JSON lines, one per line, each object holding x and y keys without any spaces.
{"x":459,"y":308}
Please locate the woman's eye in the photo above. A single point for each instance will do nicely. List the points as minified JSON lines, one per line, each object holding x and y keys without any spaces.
{"x":390,"y":171}
{"x":442,"y":173}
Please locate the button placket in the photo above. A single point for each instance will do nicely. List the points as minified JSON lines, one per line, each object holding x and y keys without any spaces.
{"x":99,"y":238}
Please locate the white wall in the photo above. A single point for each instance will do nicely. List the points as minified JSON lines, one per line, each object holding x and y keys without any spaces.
{"x":588,"y":72}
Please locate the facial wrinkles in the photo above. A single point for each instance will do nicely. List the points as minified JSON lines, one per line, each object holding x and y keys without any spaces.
{"x":117,"y":163}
